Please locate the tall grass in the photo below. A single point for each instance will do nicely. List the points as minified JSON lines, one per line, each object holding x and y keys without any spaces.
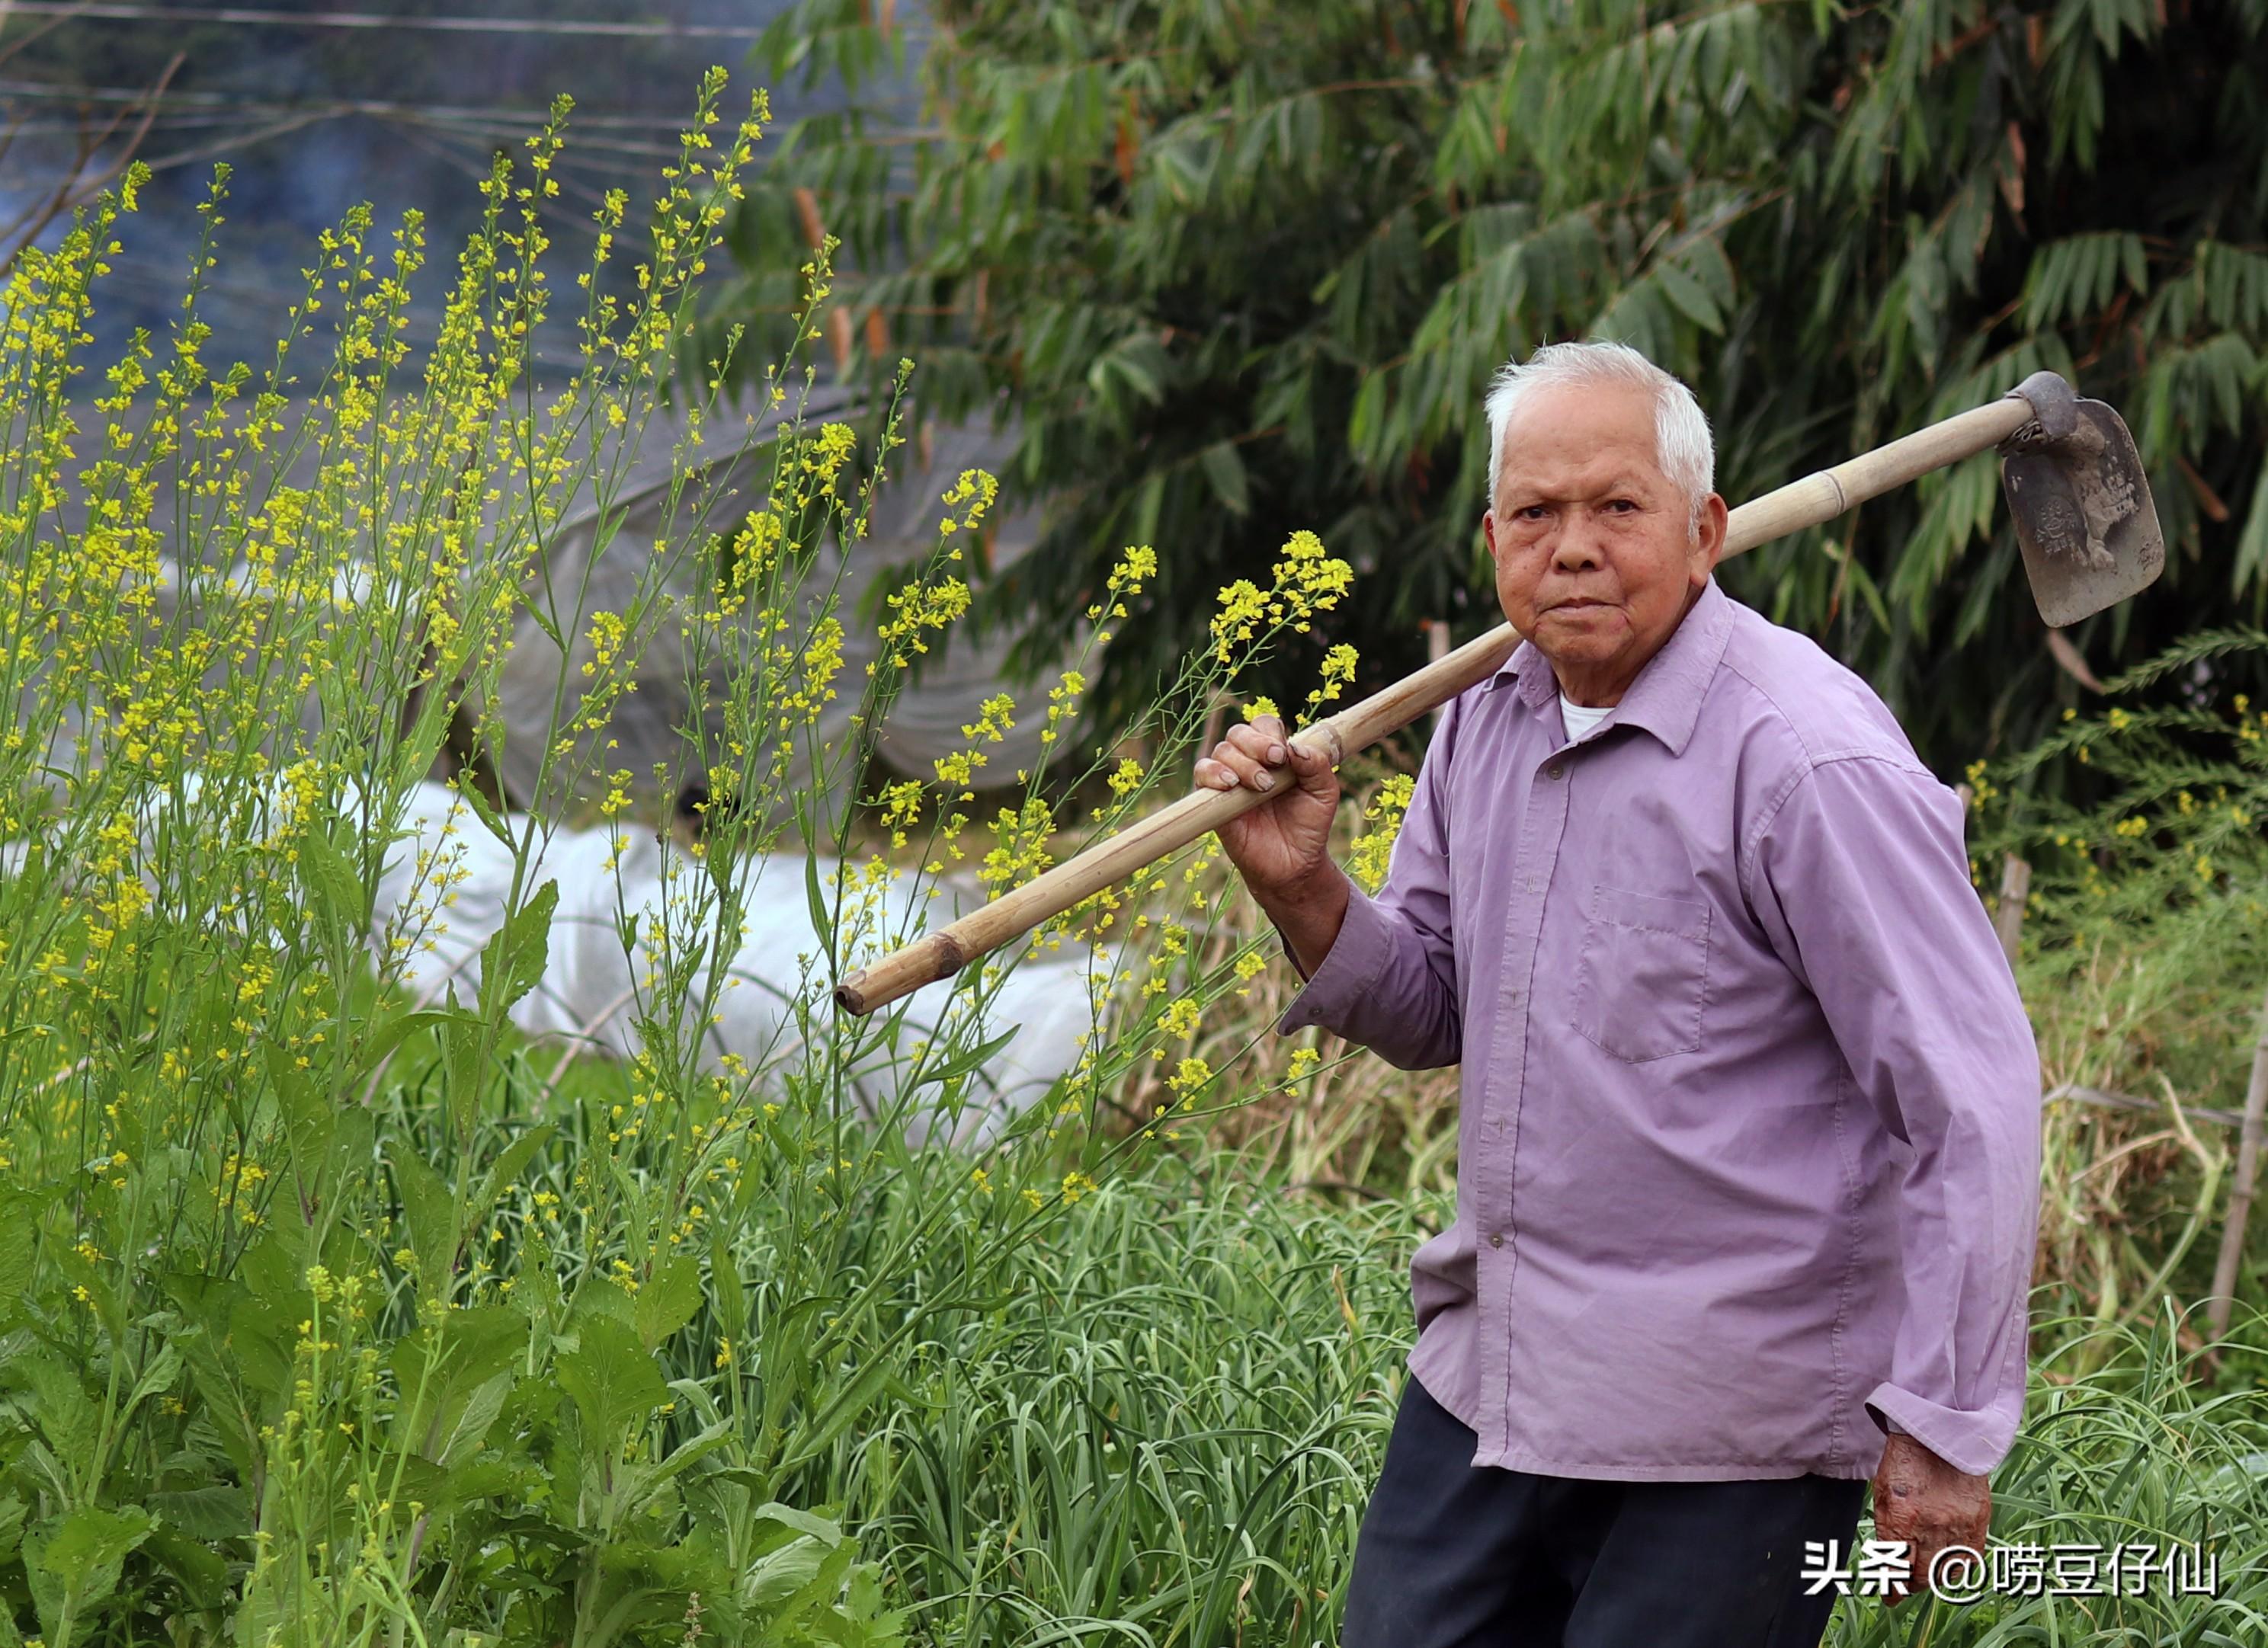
{"x":2144,"y":961}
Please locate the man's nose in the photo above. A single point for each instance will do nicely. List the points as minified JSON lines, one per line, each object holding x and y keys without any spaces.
{"x":1575,"y":547}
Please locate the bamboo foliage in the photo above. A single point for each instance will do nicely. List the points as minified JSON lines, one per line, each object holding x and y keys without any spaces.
{"x":1244,"y":266}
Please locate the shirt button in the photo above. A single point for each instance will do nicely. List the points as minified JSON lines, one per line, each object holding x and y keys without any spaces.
{"x":1557,"y":769}
{"x":1497,"y":1240}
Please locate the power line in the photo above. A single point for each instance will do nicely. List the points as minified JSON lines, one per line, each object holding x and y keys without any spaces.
{"x":48,"y":92}
{"x":246,"y":17}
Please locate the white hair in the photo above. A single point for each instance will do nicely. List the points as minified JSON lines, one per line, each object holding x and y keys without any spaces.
{"x":1681,"y":432}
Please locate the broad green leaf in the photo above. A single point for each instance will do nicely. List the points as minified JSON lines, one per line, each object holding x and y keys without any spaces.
{"x":218,"y":1511}
{"x":513,"y":959}
{"x":668,"y":1300}
{"x":88,"y":1547}
{"x":613,"y":1381}
{"x":445,"y":1371}
{"x":428,"y":1207}
{"x":464,"y":1063}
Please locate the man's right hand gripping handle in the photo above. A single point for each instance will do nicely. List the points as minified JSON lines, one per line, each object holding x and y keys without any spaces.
{"x":1282,"y":847}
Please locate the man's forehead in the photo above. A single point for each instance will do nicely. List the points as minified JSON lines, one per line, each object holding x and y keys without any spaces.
{"x":1553,"y":410}
{"x":1581,"y":429}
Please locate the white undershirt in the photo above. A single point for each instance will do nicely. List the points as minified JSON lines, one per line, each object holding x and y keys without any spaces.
{"x":1579,"y":718}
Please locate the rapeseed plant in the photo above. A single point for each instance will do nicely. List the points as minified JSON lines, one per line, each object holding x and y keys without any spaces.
{"x":348,"y":1315}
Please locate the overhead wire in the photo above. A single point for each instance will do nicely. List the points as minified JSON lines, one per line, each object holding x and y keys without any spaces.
{"x":108,"y":10}
{"x":49,"y":92}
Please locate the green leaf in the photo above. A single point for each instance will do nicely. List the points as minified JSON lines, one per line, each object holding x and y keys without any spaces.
{"x":612,"y":1382}
{"x":445,"y":1371}
{"x":159,"y":1376}
{"x":460,"y":1432}
{"x":968,"y":1058}
{"x":60,"y":1407}
{"x":398,"y":1029}
{"x":775,"y":1578}
{"x":202,"y":1572}
{"x":2251,"y":560}
{"x":218,"y":1511}
{"x":506,"y":1170}
{"x":464,"y":1062}
{"x":428,"y":1207}
{"x":491,"y":820}
{"x":815,"y":903}
{"x":799,"y":1521}
{"x":513,"y":959}
{"x":335,"y":892}
{"x":1223,"y":468}
{"x":667,"y":1298}
{"x":1691,"y":296}
{"x":817,"y":1591}
{"x":731,"y":1303}
{"x":20,"y":1214}
{"x":849,"y":1401}
{"x":87,"y":1550}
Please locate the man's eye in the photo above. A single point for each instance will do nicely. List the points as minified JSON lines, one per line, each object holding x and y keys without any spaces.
{"x":1531,"y":511}
{"x":1622,"y":506}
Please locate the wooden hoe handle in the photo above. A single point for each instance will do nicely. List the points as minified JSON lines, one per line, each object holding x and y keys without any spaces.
{"x":1810,"y":502}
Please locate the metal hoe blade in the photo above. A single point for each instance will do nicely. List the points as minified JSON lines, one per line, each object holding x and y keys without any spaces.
{"x":2081,"y":504}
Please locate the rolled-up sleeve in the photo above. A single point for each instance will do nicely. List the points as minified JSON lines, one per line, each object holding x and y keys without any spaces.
{"x":1390,"y":980}
{"x":1861,"y":877}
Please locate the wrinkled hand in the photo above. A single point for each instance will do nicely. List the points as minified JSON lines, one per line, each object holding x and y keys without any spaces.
{"x":1923,"y":1501}
{"x":1284,"y":844}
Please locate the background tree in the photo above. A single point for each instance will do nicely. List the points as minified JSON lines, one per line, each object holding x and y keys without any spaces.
{"x":1243,"y":267}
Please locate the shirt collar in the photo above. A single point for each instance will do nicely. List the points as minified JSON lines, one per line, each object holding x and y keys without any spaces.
{"x":1665,"y":698}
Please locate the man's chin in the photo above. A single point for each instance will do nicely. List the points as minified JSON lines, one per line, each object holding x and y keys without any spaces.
{"x":1578,"y":630}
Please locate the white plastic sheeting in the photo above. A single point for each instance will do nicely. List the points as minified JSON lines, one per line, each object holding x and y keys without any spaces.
{"x":591,"y":986}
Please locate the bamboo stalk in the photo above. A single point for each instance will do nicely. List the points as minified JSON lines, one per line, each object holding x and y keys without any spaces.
{"x":1813,"y":500}
{"x":2240,"y":1192}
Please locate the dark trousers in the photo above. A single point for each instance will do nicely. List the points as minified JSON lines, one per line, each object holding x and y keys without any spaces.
{"x":1454,"y":1556}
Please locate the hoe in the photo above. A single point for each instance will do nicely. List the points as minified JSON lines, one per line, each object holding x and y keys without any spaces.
{"x":2083,"y":515}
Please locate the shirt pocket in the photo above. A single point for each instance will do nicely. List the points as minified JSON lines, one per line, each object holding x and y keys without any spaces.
{"x":1642,"y":978}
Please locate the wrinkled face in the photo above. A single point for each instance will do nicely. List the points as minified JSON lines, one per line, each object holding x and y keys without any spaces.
{"x":1596,"y":553}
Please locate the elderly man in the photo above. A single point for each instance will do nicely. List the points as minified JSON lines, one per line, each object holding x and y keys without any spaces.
{"x":1749,"y":1149}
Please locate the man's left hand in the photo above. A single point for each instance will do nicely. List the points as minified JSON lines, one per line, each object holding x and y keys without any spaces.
{"x":1923,"y":1501}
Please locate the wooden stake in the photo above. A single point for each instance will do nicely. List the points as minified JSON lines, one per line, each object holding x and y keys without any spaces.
{"x":2240,"y":1192}
{"x":2008,"y":919}
{"x":1437,"y":648}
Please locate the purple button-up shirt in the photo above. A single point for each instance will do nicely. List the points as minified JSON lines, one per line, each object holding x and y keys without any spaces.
{"x":1749,"y":1148}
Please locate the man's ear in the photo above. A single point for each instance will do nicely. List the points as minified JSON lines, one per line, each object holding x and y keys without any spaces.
{"x":1709,"y":538}
{"x":1488,"y":531}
